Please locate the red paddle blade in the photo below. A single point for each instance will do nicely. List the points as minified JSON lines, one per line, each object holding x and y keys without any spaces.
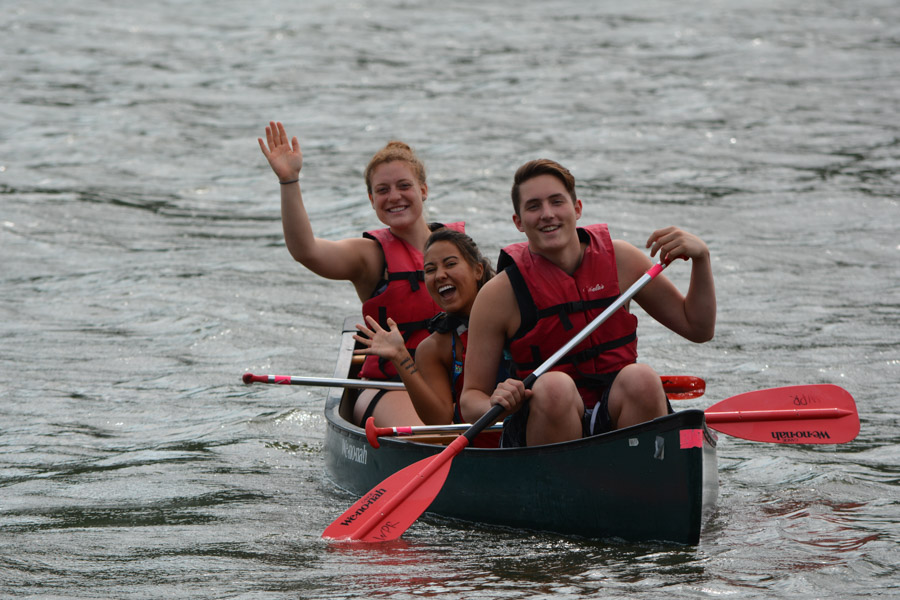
{"x":393,"y":505}
{"x":798,"y":414}
{"x":683,"y":387}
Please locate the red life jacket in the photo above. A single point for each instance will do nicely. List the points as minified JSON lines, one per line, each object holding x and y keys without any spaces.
{"x":555,"y":306}
{"x":401,"y":296}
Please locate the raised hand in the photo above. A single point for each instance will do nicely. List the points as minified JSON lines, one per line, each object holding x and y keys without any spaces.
{"x":672,"y":243}
{"x":284,"y":156}
{"x":386,"y":343}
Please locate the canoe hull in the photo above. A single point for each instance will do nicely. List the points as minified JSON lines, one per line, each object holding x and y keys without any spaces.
{"x":654,"y":481}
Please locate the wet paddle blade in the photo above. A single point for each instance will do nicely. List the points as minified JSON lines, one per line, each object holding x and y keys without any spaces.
{"x":392,"y":506}
{"x":798,"y":414}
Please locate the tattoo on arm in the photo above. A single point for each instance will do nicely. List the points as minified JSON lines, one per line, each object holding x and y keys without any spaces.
{"x":409,"y":364}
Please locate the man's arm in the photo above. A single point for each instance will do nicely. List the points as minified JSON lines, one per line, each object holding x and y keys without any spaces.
{"x":692,"y":316}
{"x":494,"y":319}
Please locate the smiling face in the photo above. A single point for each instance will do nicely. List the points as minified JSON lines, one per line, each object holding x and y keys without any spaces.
{"x":547,"y":215}
{"x":397,"y":195}
{"x":450,"y":279}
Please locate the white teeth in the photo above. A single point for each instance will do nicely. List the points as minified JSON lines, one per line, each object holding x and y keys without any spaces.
{"x":397,"y":209}
{"x":549,"y":228}
{"x":444,"y":288}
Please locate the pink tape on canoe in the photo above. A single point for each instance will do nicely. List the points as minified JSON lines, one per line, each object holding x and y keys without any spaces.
{"x":691,"y":438}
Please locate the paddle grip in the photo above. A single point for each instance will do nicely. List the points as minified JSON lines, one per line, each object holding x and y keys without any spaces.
{"x":529,"y":381}
{"x":486,"y":420}
{"x":373,"y":432}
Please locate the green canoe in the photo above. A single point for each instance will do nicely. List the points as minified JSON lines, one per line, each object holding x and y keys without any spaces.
{"x":654,"y":481}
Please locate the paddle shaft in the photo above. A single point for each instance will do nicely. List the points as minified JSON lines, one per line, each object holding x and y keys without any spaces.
{"x":324,"y":382}
{"x":733,"y":416}
{"x":677,"y":387}
{"x":426,"y":429}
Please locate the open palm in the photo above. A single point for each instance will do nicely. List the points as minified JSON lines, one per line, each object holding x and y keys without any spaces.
{"x":386,"y":343}
{"x":284,"y":156}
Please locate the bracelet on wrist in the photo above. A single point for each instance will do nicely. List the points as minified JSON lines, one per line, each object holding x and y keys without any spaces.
{"x":288,"y":182}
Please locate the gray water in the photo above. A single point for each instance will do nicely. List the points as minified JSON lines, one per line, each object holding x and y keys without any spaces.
{"x":143,"y":271}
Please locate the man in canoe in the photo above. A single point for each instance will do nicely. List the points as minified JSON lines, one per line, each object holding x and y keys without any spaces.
{"x":549,"y":288}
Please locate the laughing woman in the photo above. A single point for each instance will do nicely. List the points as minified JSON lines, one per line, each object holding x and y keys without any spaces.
{"x":454,"y":272}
